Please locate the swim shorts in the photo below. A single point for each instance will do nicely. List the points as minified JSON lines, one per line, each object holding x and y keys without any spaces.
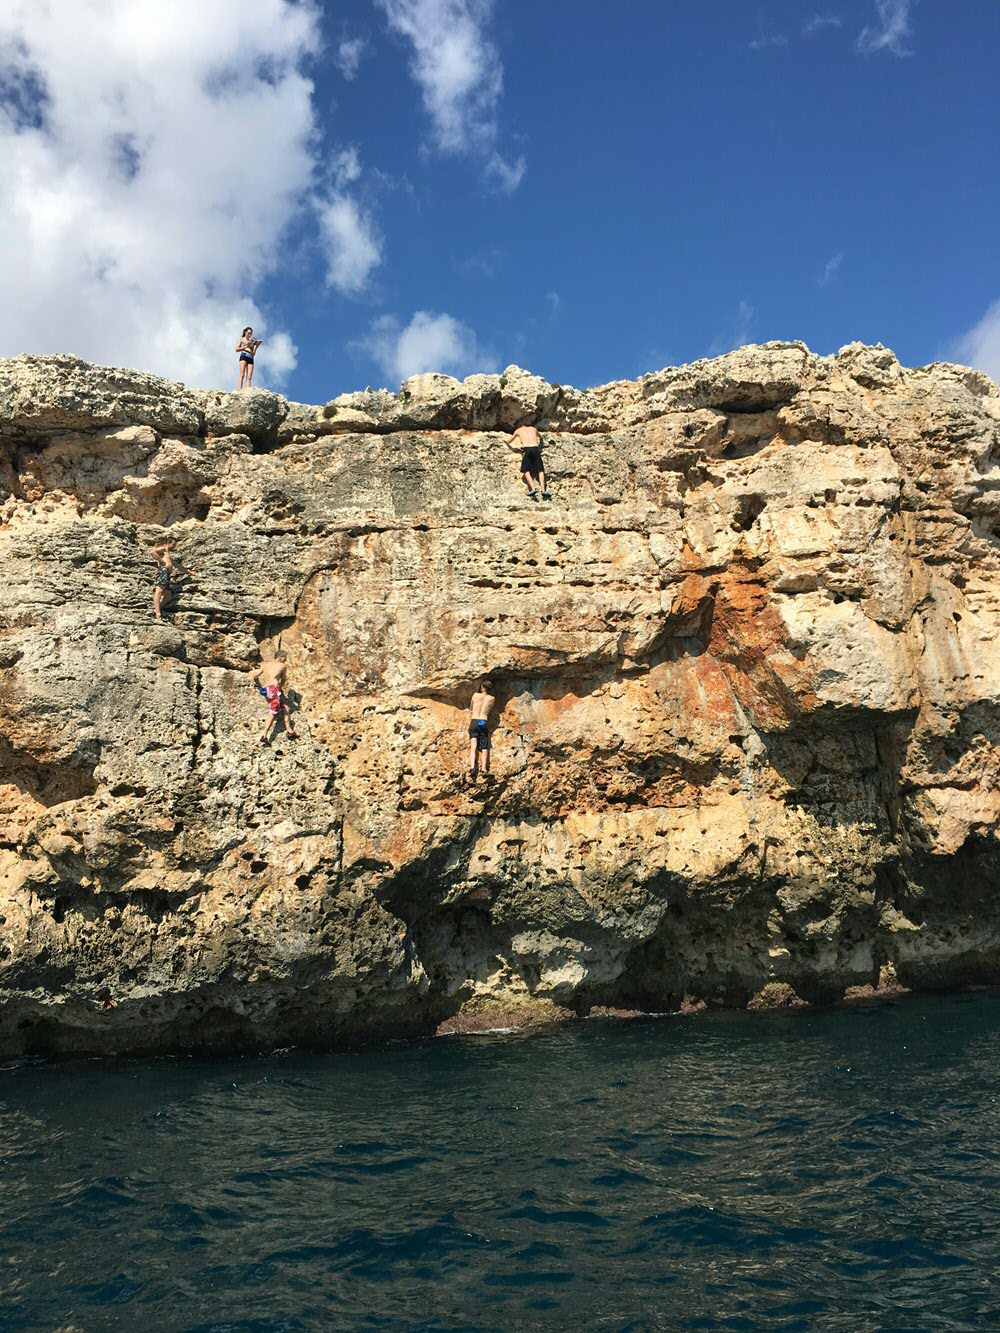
{"x":245,"y":356}
{"x":274,"y":697}
{"x":531,"y":461}
{"x":479,"y":732}
{"x":162,"y":579}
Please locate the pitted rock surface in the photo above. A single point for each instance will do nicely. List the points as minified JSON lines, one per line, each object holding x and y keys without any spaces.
{"x":747,"y":673}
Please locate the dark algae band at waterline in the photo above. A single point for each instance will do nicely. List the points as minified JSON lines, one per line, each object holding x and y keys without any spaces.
{"x":822,"y":1170}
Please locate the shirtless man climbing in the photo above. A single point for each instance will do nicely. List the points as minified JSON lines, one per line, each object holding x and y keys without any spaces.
{"x":163,"y":594}
{"x":527,"y":439}
{"x":269,"y":679}
{"x":479,"y":729}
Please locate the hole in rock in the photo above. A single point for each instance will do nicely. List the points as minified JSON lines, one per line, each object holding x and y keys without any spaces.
{"x":272,"y":627}
{"x":749,"y":509}
{"x":752,"y":406}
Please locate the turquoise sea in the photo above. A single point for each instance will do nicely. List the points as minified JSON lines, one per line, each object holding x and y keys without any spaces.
{"x":832,"y":1169}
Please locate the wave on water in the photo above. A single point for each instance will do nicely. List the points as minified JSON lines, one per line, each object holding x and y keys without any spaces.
{"x":835,"y":1171}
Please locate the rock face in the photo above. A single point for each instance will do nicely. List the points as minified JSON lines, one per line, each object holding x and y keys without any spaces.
{"x":747,"y":673}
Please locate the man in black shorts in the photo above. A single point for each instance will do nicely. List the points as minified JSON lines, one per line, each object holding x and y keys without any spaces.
{"x":479,"y":729}
{"x":527,"y":439}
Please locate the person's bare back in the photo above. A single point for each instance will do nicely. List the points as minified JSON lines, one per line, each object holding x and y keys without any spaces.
{"x":269,"y":680}
{"x":528,"y":436}
{"x":481,"y":706}
{"x":272,"y":672}
{"x":527,"y":439}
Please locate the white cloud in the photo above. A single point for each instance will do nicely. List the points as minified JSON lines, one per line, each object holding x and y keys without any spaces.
{"x":980,"y":347}
{"x":460,"y":77}
{"x":345,"y":166}
{"x":820,"y":21}
{"x":484,"y":264}
{"x":505,"y":176}
{"x":830,"y":269}
{"x":428,"y":342}
{"x":151,"y":166}
{"x":348,"y":236}
{"x":350,"y":54}
{"x":891,"y":31}
{"x":349,"y":241}
{"x":736,"y":330}
{"x":456,"y":66}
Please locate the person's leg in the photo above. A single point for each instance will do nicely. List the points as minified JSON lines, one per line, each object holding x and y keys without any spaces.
{"x":473,"y":756}
{"x":485,"y":752}
{"x":268,"y":723}
{"x":157,"y":603}
{"x":243,"y":373}
{"x":286,"y":713}
{"x":544,"y":488}
{"x":531,"y":483}
{"x":249,"y":366}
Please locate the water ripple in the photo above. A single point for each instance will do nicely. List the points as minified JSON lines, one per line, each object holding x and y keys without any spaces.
{"x":824,"y":1171}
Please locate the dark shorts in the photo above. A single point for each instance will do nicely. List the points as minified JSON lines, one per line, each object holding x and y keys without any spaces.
{"x":245,"y":356}
{"x":480,"y":733}
{"x":531,"y":461}
{"x":162,"y":579}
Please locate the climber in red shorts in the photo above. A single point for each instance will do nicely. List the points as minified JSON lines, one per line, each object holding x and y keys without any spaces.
{"x":269,"y":679}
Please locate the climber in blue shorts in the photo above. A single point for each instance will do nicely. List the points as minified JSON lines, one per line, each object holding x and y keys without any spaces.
{"x":479,"y":729}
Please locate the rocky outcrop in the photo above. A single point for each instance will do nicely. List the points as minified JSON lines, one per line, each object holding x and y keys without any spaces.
{"x":747,"y":672}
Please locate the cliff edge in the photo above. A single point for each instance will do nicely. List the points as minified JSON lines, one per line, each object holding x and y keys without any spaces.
{"x":747,"y":673}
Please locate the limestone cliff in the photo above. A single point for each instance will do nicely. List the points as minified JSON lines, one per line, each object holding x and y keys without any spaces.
{"x":748,"y":682}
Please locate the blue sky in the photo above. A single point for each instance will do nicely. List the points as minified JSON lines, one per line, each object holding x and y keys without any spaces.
{"x":589,"y":188}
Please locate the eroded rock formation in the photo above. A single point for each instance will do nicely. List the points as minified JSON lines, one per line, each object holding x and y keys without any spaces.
{"x":747,"y":669}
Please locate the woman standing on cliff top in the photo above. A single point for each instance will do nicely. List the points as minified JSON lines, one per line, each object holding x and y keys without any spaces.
{"x":247,"y":348}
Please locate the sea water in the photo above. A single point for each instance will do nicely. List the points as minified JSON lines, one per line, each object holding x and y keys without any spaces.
{"x":811,"y":1170}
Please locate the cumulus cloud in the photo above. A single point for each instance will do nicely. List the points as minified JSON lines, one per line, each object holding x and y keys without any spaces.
{"x":458,"y":71}
{"x":350,"y":52}
{"x":151,"y":167}
{"x":429,"y":342}
{"x":980,"y":347}
{"x":890,"y":32}
{"x":352,"y":249}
